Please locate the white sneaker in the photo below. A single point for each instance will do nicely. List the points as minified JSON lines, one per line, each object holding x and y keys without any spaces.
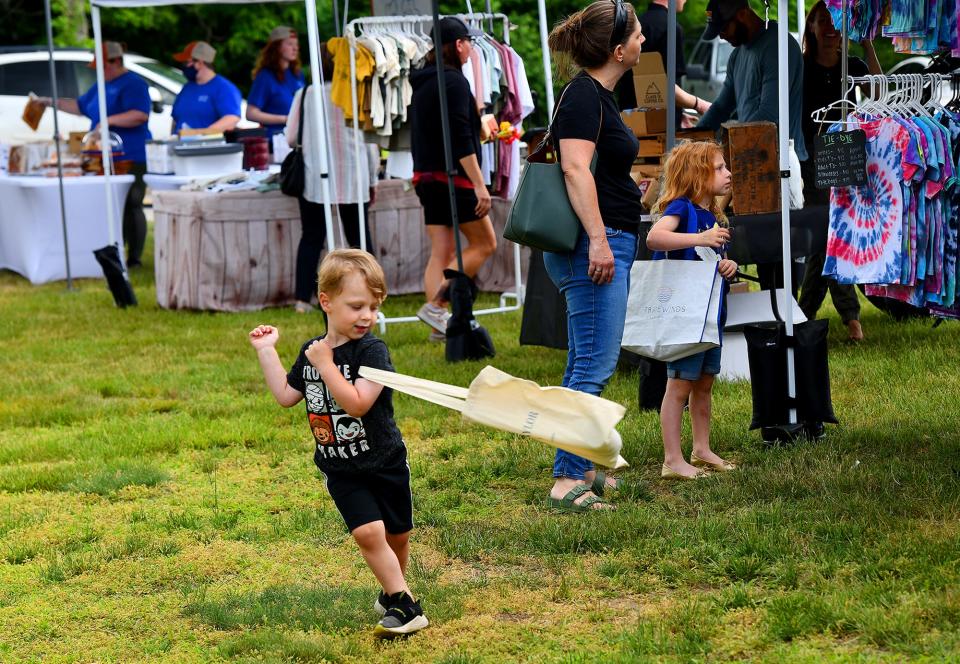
{"x":437,"y":337}
{"x":435,"y":317}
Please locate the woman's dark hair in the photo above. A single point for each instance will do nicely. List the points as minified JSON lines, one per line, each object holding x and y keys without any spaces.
{"x":450,"y":56}
{"x":587,"y":36}
{"x":810,"y":44}
{"x":271,"y":59}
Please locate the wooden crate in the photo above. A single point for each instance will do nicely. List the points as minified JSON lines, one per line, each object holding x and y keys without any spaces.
{"x":237,"y":251}
{"x":750,"y":149}
{"x":232,"y":251}
{"x":651,"y":147}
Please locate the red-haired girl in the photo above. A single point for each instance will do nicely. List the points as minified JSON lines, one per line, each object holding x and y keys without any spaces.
{"x":694,"y":175}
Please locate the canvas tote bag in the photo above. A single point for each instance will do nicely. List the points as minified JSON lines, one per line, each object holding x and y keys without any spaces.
{"x":575,"y":422}
{"x":673,"y":308}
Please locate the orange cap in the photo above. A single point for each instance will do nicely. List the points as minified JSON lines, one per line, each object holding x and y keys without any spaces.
{"x":196,"y":50}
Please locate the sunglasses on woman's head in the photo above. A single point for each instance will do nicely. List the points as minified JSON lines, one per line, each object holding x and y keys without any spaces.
{"x":619,"y":23}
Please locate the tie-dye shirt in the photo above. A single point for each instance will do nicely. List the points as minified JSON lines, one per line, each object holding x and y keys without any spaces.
{"x":930,"y":237}
{"x":865,"y":236}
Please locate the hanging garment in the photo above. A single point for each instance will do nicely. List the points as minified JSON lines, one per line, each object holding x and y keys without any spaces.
{"x":864,"y":242}
{"x":340,"y":93}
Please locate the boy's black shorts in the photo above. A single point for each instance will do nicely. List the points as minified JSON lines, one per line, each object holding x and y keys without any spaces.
{"x":362,"y":498}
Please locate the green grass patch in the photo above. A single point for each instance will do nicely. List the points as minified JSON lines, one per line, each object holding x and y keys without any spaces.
{"x":156,"y":504}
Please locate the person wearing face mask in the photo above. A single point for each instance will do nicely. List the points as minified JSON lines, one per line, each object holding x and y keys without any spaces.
{"x":208,"y":101}
{"x":276,"y":79}
{"x":128,"y":110}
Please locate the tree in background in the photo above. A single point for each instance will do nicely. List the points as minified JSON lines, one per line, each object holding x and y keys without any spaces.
{"x":238,"y":31}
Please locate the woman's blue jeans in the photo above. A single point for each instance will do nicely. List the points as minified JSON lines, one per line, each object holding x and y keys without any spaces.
{"x":595,"y":319}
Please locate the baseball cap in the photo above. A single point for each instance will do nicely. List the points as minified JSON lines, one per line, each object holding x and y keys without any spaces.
{"x":196,"y":50}
{"x":452,"y":29}
{"x":719,"y":13}
{"x":111,"y":51}
{"x":281,"y":32}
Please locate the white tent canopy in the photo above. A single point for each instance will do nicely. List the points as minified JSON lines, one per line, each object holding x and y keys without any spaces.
{"x":315,"y":73}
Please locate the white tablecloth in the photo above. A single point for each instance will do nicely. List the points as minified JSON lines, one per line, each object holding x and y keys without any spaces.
{"x":31,"y":234}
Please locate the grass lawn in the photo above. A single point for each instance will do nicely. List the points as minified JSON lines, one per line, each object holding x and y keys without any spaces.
{"x":156,"y":505}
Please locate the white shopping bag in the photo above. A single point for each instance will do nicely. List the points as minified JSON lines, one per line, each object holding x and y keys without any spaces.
{"x":576,"y":422}
{"x":673,"y":309}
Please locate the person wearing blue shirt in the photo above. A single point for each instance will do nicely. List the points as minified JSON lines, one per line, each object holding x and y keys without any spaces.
{"x":276,"y":79}
{"x":208,"y":101}
{"x":128,"y":110}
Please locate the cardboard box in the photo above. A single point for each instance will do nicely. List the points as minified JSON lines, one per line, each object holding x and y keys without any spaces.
{"x":750,"y":149}
{"x":652,"y":146}
{"x":75,"y":142}
{"x":645,"y":122}
{"x":641,"y":171}
{"x":696,"y":135}
{"x":644,"y":184}
{"x":651,"y":194}
{"x":646,"y":171}
{"x":650,"y":81}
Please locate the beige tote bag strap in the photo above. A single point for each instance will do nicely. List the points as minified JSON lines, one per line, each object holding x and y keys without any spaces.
{"x":449,"y":396}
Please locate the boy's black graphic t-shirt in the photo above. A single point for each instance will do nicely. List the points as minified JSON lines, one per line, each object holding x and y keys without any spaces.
{"x":346,"y":443}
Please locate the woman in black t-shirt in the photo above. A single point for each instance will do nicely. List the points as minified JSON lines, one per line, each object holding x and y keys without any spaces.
{"x":604,"y":40}
{"x":822,"y":84}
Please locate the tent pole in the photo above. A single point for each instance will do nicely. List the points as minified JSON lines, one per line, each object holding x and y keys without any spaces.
{"x":105,"y":148}
{"x":337,"y":27}
{"x":56,"y":141}
{"x":445,"y":132}
{"x":545,"y":53}
{"x":783,"y":130}
{"x":671,"y":90}
{"x":844,"y":68}
{"x":319,"y":116}
{"x":361,"y":216}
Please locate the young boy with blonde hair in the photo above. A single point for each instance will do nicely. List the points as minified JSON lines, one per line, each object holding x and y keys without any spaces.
{"x":359,"y":448}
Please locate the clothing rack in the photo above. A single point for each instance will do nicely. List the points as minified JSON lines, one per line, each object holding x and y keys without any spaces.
{"x":353,"y":30}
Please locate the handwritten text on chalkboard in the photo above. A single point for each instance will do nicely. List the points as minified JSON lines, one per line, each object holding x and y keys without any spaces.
{"x":841,"y":159}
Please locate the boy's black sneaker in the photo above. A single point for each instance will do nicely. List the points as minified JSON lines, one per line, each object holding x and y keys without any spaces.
{"x":382,"y":602}
{"x":403,"y":617}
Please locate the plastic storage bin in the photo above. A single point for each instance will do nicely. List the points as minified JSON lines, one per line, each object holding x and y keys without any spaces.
{"x":210,"y":160}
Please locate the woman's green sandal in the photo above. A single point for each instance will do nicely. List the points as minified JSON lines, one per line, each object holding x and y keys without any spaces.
{"x":599,"y":485}
{"x":568,"y":504}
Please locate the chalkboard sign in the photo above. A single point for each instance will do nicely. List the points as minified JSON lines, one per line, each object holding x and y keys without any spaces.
{"x":840,"y":159}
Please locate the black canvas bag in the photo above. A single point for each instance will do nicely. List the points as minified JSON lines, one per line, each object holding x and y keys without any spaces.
{"x":767,"y":345}
{"x":293,"y":175}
